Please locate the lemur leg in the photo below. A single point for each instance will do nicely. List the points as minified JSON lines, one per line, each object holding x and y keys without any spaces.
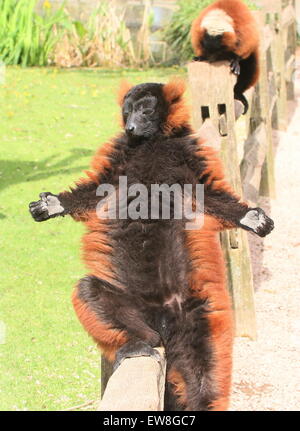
{"x":233,"y":213}
{"x":133,"y":349}
{"x":113,"y":320}
{"x":197,"y":377}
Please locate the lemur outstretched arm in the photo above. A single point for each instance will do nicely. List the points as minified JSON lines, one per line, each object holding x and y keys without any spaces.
{"x":75,"y":203}
{"x":233,"y":213}
{"x":83,"y":197}
{"x":221,"y":202}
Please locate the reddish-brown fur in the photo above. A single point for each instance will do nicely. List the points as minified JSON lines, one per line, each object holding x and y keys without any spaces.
{"x":208,"y":280}
{"x":175,"y":378}
{"x":179,"y":113}
{"x":99,"y":164}
{"x":108,"y":339}
{"x":243,"y":22}
{"x":246,"y":32}
{"x":125,"y":86}
{"x":96,"y":251}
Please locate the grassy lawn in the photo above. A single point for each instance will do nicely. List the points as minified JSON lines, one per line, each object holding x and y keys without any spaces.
{"x":52,"y":121}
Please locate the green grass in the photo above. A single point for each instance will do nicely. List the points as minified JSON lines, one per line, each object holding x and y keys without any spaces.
{"x":52,"y":122}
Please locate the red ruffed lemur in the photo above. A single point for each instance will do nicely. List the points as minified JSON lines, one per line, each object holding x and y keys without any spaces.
{"x":152,"y":282}
{"x":226,"y":30}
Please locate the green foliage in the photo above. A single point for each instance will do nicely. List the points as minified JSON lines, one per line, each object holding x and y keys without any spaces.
{"x":27,"y":38}
{"x":104,"y":40}
{"x":177,"y":34}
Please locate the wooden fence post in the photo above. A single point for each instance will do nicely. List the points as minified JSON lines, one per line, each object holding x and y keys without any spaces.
{"x":273,"y":9}
{"x":137,"y":385}
{"x":106,"y":372}
{"x":257,"y":166}
{"x":282,"y":16}
{"x":289,"y":29}
{"x":212,"y":97}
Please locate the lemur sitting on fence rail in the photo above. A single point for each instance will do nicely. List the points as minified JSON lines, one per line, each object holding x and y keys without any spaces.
{"x":226,"y":30}
{"x":151,"y":281}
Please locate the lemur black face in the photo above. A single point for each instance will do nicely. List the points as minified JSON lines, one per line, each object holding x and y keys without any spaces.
{"x":144,"y":111}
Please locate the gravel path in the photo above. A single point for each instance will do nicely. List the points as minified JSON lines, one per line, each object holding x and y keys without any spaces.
{"x":267,"y":371}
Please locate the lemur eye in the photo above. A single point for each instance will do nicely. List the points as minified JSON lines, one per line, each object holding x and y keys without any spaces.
{"x":127,"y":108}
{"x":148,"y":111}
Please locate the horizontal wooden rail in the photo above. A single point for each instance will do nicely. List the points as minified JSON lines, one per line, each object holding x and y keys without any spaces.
{"x":137,"y":385}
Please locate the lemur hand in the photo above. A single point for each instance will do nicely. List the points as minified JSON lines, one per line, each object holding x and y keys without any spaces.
{"x":47,"y":207}
{"x":257,"y":221}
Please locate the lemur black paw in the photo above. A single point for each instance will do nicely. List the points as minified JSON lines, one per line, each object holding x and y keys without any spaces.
{"x":235,"y":66}
{"x":47,"y":207}
{"x":134,"y":349}
{"x":258,"y":222}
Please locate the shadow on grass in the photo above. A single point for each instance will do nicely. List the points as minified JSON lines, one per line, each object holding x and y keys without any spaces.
{"x":19,"y":171}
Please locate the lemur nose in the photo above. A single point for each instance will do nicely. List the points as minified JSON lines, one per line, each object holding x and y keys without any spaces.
{"x":130,"y":128}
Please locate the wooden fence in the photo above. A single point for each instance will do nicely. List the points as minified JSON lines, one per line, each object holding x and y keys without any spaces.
{"x":249,"y":165}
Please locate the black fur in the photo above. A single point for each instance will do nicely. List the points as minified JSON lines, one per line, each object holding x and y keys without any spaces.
{"x":214,"y":50}
{"x":248,"y":67}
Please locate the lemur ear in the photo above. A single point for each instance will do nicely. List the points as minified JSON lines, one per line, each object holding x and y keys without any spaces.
{"x":178,"y":113}
{"x":125,"y":86}
{"x":174,"y":90}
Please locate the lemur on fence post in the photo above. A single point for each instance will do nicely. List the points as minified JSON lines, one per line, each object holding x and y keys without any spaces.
{"x":226,"y":30}
{"x":152,"y":282}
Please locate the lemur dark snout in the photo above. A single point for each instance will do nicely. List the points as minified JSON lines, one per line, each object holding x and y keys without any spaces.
{"x":130,"y":128}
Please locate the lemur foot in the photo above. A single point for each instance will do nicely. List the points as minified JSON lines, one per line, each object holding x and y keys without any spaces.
{"x":235,"y":66}
{"x":134,"y":349}
{"x":258,"y":222}
{"x":47,"y":207}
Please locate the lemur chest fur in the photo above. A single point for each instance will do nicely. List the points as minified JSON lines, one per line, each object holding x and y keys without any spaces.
{"x":158,"y":163}
{"x":151,"y":253}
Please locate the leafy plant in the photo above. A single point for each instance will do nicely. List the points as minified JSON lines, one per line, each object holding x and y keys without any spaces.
{"x":27,"y":38}
{"x":177,"y":33}
{"x":104,"y":40}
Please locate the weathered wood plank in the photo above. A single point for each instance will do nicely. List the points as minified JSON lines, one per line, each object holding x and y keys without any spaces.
{"x":106,"y":372}
{"x":291,"y":62}
{"x":137,"y":385}
{"x":288,"y":16}
{"x":262,"y":119}
{"x":270,"y":6}
{"x":255,"y":150}
{"x":267,"y":37}
{"x":209,"y":133}
{"x":214,"y":100}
